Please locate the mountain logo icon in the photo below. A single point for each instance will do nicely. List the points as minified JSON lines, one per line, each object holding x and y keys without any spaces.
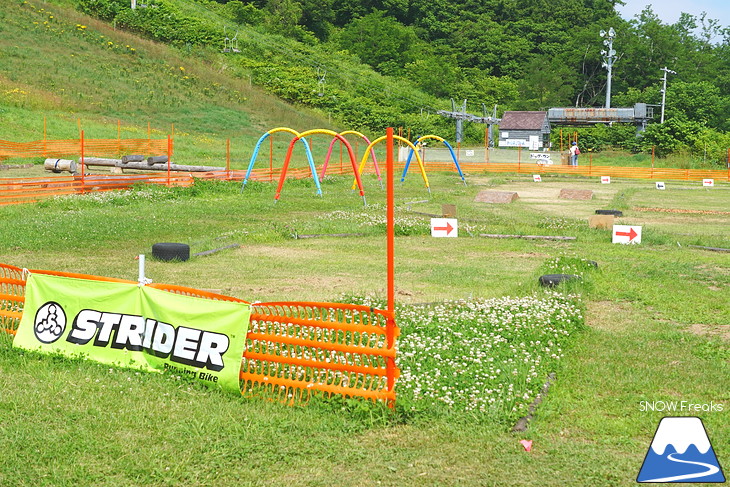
{"x":681,"y":452}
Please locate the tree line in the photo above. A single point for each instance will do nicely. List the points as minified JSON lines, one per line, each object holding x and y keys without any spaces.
{"x":516,"y":54}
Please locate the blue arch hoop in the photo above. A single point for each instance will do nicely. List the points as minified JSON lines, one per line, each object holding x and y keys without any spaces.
{"x":255,"y":154}
{"x":435,"y":137}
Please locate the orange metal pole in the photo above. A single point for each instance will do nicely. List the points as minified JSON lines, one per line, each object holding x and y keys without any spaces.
{"x":271,"y":158}
{"x":519,"y":159}
{"x":390,"y":321}
{"x":169,"y":157}
{"x":652,"y":162}
{"x":391,"y":219}
{"x":284,"y":168}
{"x":228,"y":158}
{"x":83,"y":169}
{"x":590,"y":163}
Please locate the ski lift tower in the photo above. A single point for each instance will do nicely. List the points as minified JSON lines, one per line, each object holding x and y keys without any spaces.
{"x":460,"y":116}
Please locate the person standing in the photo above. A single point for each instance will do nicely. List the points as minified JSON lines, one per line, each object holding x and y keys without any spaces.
{"x":574,"y":153}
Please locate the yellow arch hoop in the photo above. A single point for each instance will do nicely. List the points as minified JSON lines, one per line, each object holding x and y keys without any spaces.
{"x":405,"y":141}
{"x":424,"y":137}
{"x":319,"y":131}
{"x":283,"y":129}
{"x":353,"y":132}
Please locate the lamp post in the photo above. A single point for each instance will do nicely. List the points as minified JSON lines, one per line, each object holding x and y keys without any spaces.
{"x":609,"y":57}
{"x":664,"y":88}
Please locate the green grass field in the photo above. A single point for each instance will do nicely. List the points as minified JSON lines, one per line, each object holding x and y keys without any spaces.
{"x":650,"y":324}
{"x":657,"y":317}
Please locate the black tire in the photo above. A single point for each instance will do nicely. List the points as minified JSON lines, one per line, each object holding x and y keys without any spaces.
{"x":171,"y":251}
{"x":610,"y":212}
{"x":552,"y":280}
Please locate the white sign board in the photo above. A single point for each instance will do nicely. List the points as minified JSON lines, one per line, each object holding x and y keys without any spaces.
{"x":708,"y":183}
{"x":660,"y":185}
{"x":469,"y":153}
{"x":626,"y":234}
{"x":444,"y":227}
{"x":534,"y":142}
{"x":536,"y":178}
{"x":542,"y":158}
{"x":514,"y":143}
{"x":605,"y":179}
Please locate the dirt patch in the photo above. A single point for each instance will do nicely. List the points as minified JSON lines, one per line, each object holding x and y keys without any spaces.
{"x":576,"y":194}
{"x":677,"y":210}
{"x":496,"y":197}
{"x":609,"y":316}
{"x":717,"y":331}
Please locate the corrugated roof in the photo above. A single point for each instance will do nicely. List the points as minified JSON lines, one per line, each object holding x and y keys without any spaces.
{"x":522,"y":120}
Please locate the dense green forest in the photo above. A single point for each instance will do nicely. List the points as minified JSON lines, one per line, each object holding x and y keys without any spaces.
{"x":368,"y":64}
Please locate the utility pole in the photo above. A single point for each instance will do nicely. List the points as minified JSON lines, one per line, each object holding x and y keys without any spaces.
{"x":609,"y":57}
{"x":664,"y":88}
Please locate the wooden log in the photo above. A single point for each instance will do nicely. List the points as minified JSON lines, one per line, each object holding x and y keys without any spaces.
{"x":98,"y":161}
{"x":213,"y":251}
{"x":60,"y":165}
{"x":529,"y":237}
{"x":145,"y":166}
{"x":318,"y":235}
{"x":132,"y":158}
{"x":157,"y":160}
{"x":173,"y":167}
{"x":713,"y":249}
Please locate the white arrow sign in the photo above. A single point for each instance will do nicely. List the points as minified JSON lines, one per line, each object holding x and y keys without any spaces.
{"x":660,"y":185}
{"x":708,"y":183}
{"x":536,"y":178}
{"x":626,"y":234}
{"x":605,"y":179}
{"x":444,"y":227}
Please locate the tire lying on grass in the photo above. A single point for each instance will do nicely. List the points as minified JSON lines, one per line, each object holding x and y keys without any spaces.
{"x":552,"y":280}
{"x":610,"y":212}
{"x":171,"y":251}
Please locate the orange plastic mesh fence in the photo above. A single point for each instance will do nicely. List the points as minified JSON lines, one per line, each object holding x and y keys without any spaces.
{"x":12,"y":297}
{"x":292,"y":348}
{"x":92,"y":147}
{"x":27,"y":190}
{"x":295,"y":348}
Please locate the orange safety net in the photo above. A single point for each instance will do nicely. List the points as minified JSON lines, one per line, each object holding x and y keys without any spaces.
{"x":12,"y":298}
{"x":292,"y":348}
{"x":91,"y":147}
{"x":28,"y":190}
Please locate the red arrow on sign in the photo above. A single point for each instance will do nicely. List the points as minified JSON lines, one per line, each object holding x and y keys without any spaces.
{"x":446,"y":229}
{"x":631,"y":234}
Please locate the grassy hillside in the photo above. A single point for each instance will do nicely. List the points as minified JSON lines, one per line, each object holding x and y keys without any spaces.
{"x":82,"y":73}
{"x":78,"y":72}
